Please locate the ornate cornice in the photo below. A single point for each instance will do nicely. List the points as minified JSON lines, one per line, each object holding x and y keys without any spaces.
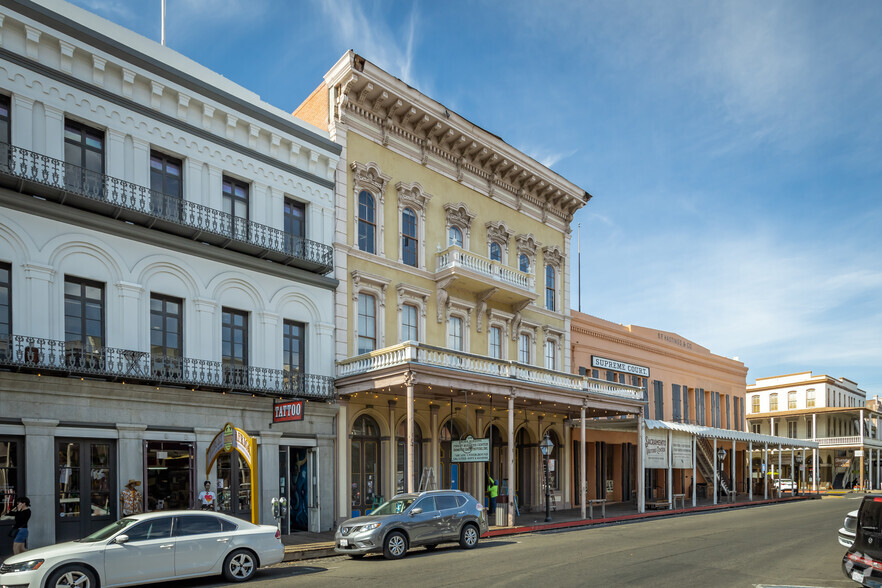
{"x":553,"y":256}
{"x":498,"y":232}
{"x":459,"y":215}
{"x":527,"y":244}
{"x":369,"y":177}
{"x":412,"y":195}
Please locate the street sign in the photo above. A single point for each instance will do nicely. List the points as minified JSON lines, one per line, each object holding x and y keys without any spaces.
{"x":470,"y":450}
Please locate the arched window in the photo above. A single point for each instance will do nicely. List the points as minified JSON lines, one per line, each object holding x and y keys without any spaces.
{"x":549,"y":287}
{"x":409,"y":237}
{"x":401,"y":459}
{"x":495,"y":252}
{"x":524,"y":263}
{"x":367,"y":223}
{"x":365,"y":453}
{"x":454,"y":237}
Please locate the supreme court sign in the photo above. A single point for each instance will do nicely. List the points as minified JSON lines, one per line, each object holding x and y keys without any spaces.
{"x":288,"y":411}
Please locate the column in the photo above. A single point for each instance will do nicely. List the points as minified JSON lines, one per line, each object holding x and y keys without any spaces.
{"x":204,"y":342}
{"x":564,"y":470}
{"x":23,"y":129}
{"x":694,"y":472}
{"x":268,"y":472}
{"x":410,"y":381}
{"x":780,"y":451}
{"x":130,"y":465}
{"x":815,"y":469}
{"x":212,"y":194}
{"x":54,"y":132}
{"x":510,"y":460}
{"x":582,"y":462}
{"x":750,"y":470}
{"x":127,"y":313}
{"x":480,"y":467}
{"x":114,"y":158}
{"x":732,"y":473}
{"x":343,"y":509}
{"x":40,"y":479}
{"x":268,"y":355}
{"x":861,"y":432}
{"x":641,"y":474}
{"x":670,"y":470}
{"x":793,"y":476}
{"x":434,"y":443}
{"x":204,"y":436}
{"x":716,"y":476}
{"x":393,"y":456}
{"x":141,"y":163}
{"x":40,"y":320}
{"x":765,"y":471}
{"x":193,"y":180}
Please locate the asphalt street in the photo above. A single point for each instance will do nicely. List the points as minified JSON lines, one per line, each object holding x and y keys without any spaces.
{"x":792,"y":544}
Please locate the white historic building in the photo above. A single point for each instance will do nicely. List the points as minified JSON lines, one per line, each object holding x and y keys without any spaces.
{"x":165,"y":279}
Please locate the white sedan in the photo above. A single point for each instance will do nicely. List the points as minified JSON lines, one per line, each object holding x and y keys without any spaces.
{"x":150,"y":547}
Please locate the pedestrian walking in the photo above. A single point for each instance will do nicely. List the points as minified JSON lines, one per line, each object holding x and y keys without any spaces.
{"x":20,"y":526}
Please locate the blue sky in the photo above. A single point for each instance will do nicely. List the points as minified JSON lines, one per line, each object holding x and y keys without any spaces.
{"x":733,"y":148}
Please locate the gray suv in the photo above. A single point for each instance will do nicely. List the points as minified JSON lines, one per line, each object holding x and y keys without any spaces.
{"x":408,"y":520}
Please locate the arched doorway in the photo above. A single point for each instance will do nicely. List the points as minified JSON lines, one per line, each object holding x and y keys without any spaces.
{"x":401,"y":457}
{"x":364,"y":464}
{"x":554,"y":465}
{"x":525,"y":468}
{"x":234,"y":485}
{"x":451,"y":474}
{"x":498,"y":455}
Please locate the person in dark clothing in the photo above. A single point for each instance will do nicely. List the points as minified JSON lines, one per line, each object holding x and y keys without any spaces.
{"x":20,"y":526}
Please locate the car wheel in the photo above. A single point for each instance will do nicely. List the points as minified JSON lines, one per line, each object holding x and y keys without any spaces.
{"x":72,"y":576}
{"x":468,"y":537}
{"x":431,"y":547}
{"x":395,"y":545}
{"x":239,"y":566}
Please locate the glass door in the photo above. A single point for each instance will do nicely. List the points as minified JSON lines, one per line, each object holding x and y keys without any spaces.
{"x":85,"y":488}
{"x":234,"y":485}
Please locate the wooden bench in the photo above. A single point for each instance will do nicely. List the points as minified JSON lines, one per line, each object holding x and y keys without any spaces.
{"x":658,"y":504}
{"x":594,"y":501}
{"x":681,"y":498}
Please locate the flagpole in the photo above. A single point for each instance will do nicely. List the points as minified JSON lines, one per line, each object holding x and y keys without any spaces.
{"x":579,"y":262}
{"x":163,"y":23}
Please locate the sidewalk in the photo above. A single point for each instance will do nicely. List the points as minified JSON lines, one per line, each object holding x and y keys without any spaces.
{"x":302,"y":546}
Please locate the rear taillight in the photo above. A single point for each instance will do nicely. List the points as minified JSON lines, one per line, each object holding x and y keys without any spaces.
{"x":877,"y":499}
{"x":867,"y":561}
{"x":278,"y":534}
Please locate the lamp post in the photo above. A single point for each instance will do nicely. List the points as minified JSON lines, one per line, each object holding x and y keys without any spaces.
{"x":721,"y":455}
{"x":796,"y":475}
{"x":545,"y":447}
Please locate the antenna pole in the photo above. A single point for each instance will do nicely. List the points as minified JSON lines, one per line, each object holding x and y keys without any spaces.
{"x":578,"y":261}
{"x":163,"y":23}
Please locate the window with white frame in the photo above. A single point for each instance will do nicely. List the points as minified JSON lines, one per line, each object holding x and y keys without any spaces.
{"x":810,"y":398}
{"x":409,"y":323}
{"x":755,"y":403}
{"x":791,"y":400}
{"x":495,"y":342}
{"x":549,"y":287}
{"x":554,"y":263}
{"x":367,"y":224}
{"x":550,"y":354}
{"x":495,"y":252}
{"x":369,"y":188}
{"x":367,"y":323}
{"x":454,"y":333}
{"x":773,"y":401}
{"x":459,"y":222}
{"x":409,"y":253}
{"x":524,"y":344}
{"x":791,"y":429}
{"x":755,"y":428}
{"x":524,"y":263}
{"x":412,"y":202}
{"x":454,"y":236}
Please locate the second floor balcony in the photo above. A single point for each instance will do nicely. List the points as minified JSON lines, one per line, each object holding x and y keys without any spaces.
{"x":61,"y":358}
{"x":29,"y":172}
{"x":477,"y":273}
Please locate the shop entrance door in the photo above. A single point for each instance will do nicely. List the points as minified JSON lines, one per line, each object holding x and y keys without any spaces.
{"x":85,"y":495}
{"x":170,"y":476}
{"x":234,"y":485}
{"x":298,"y":501}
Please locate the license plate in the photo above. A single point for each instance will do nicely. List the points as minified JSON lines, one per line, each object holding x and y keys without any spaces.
{"x":344,"y":542}
{"x":857,"y":576}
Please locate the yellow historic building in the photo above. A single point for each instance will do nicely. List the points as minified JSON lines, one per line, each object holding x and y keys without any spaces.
{"x":453,"y":257}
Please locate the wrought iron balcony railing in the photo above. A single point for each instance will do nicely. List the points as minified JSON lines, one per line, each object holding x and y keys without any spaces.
{"x":64,"y":358}
{"x":56,"y":180}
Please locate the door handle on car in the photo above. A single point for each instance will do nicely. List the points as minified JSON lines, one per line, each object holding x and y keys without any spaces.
{"x":167,"y":546}
{"x":437,"y":517}
{"x":223,"y":539}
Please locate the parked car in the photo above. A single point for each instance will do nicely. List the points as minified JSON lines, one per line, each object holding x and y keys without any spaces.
{"x":863,"y":560}
{"x":409,"y":520}
{"x":151,"y":547}
{"x":846,"y":532}
{"x":786,"y":485}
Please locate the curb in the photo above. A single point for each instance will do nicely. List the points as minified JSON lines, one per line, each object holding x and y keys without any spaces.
{"x":326,"y":549}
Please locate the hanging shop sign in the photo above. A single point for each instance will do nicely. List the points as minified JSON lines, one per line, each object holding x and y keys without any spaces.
{"x":656,"y":449}
{"x":470,"y":450}
{"x":681,"y":450}
{"x":619,"y":366}
{"x":288,"y":411}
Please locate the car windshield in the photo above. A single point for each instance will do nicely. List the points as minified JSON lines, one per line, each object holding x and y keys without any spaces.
{"x":108,"y":531}
{"x":394,"y":506}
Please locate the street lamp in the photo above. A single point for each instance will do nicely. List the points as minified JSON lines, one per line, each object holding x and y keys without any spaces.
{"x":797,"y":475}
{"x":545,"y":447}
{"x":721,"y":455}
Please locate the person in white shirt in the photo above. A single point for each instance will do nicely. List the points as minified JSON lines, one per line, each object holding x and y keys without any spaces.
{"x":207,"y":498}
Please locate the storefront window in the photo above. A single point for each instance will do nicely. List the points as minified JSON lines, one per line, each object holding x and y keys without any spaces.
{"x":234,"y":485}
{"x":170,"y":475}
{"x":69,"y":480}
{"x":401,"y":456}
{"x":100,"y":474}
{"x":365,"y":465}
{"x":554,"y":463}
{"x":9,"y":476}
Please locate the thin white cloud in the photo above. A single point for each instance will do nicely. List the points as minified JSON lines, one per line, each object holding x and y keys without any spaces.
{"x":547,"y":158}
{"x":372,"y":38}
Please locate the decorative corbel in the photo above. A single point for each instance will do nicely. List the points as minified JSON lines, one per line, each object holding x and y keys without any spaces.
{"x":442,"y":296}
{"x":482,"y":306}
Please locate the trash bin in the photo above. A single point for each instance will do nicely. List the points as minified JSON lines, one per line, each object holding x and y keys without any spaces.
{"x":701,"y":490}
{"x":501,"y":511}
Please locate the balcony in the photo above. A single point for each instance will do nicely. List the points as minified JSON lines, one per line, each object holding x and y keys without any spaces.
{"x":479,"y":365}
{"x":476,"y":273}
{"x":32,"y":173}
{"x":50,"y":357}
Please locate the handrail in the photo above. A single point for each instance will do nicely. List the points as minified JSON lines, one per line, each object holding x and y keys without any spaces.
{"x":414,"y":352}
{"x":455,"y":256}
{"x":73,"y":358}
{"x":152,"y":205}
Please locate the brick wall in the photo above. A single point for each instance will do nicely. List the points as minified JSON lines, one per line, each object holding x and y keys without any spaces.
{"x":314,"y":109}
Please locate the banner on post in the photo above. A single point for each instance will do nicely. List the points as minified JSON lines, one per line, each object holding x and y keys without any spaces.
{"x":656,"y":449}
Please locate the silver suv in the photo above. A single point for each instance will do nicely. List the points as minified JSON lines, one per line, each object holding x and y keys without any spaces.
{"x":408,"y":520}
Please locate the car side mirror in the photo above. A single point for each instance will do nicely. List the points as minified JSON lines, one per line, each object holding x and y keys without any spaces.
{"x":416,"y":511}
{"x":120,"y":539}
